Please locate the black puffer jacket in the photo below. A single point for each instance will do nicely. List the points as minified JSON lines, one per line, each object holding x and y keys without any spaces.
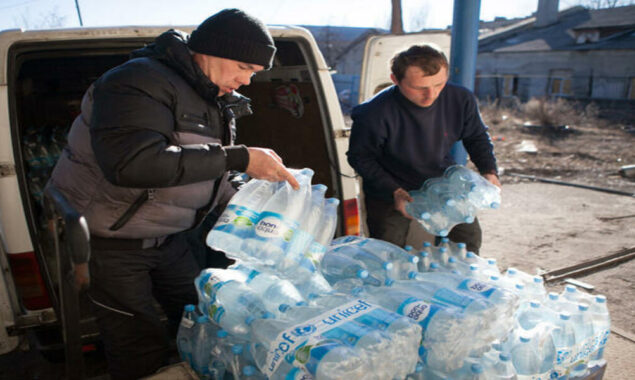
{"x":152,"y":146}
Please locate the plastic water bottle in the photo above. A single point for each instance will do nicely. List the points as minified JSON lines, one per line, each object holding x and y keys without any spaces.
{"x":503,"y":369}
{"x":276,"y":293}
{"x":532,"y":360}
{"x":373,"y":263}
{"x":240,"y":216}
{"x":583,"y":326}
{"x":236,"y":306}
{"x":529,"y":317}
{"x":565,"y":343}
{"x":217,"y":366}
{"x":279,"y":220}
{"x":185,"y":334}
{"x":336,"y":267}
{"x":204,"y":333}
{"x":325,"y":231}
{"x":601,"y":328}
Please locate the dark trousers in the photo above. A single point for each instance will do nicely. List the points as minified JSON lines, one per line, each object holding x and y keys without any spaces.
{"x":124,"y":284}
{"x":386,"y":223}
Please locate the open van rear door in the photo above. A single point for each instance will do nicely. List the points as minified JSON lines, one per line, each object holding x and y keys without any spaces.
{"x":379,"y":51}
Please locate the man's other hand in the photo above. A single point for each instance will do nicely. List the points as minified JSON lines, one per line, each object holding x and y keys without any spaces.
{"x":266,"y":164}
{"x":402,"y":197}
{"x":493,"y":179}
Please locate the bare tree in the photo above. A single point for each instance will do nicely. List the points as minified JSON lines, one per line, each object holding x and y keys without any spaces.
{"x":600,"y":4}
{"x":51,"y":19}
{"x":396,"y":23}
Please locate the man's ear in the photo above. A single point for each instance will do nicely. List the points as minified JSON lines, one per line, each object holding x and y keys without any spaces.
{"x":394,"y":80}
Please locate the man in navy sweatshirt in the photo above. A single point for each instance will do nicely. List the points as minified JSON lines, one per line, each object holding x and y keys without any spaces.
{"x":403,"y":136}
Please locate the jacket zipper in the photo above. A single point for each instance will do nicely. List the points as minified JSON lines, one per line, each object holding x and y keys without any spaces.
{"x":134,"y":207}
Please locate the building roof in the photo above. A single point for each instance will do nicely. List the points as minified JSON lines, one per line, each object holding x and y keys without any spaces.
{"x":619,"y":24}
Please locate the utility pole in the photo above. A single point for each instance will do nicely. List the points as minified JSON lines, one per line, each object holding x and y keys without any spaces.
{"x":79,"y":13}
{"x":396,"y":21}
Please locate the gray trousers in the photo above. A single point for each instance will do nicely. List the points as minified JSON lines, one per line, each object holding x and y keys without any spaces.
{"x":386,"y":223}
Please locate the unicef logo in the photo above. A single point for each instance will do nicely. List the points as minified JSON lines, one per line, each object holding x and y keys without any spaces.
{"x":304,"y":330}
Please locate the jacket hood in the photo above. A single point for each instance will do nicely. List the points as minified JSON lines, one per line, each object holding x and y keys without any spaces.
{"x":171,"y":49}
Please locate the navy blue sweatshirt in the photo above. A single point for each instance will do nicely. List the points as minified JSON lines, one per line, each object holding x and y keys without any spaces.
{"x":395,"y":143}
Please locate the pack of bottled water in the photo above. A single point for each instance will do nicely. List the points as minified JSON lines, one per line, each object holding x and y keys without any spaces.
{"x":299,"y":305}
{"x":477,"y":322}
{"x":280,"y":334}
{"x":451,"y":199}
{"x":272,"y":226}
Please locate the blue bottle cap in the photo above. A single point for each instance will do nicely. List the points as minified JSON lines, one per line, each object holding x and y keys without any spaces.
{"x":362,"y":273}
{"x":512,"y":271}
{"x":249,"y":370}
{"x":408,"y":248}
{"x":412,"y":274}
{"x":504,"y":357}
{"x":413,"y":259}
{"x":389,"y":282}
{"x":474,"y":267}
{"x":423,"y":253}
{"x":237,"y":349}
{"x":301,"y":303}
{"x":470,"y":254}
{"x":525,"y":338}
{"x":189,"y":308}
{"x":565,"y":316}
{"x":221,"y":333}
{"x":461,"y":245}
{"x":583,"y":307}
{"x":268,"y":315}
{"x":600,"y":299}
{"x":553,"y":296}
{"x":520,"y":286}
{"x":443,"y":232}
{"x":494,"y":278}
{"x":387,"y":265}
{"x":534,"y":304}
{"x":249,"y":320}
{"x":538,"y":280}
{"x":443,"y":250}
{"x":445,"y":240}
{"x":476,"y":368}
{"x":283,"y":307}
{"x":452,"y":260}
{"x":426,"y":244}
{"x":434,"y":266}
{"x":491,"y":261}
{"x":570,"y":289}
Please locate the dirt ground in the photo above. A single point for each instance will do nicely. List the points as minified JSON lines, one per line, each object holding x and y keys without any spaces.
{"x":542,"y":227}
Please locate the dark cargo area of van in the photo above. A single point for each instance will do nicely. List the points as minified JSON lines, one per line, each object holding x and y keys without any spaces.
{"x":46,"y":83}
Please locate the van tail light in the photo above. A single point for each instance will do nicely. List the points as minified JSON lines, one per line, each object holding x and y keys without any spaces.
{"x":351,"y":217}
{"x":29,"y":282}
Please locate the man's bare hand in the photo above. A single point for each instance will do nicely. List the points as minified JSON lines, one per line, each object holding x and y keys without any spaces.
{"x":493,"y":179}
{"x":266,"y":164}
{"x":402,"y":197}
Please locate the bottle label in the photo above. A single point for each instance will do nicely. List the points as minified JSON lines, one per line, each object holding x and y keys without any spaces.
{"x":298,"y":374}
{"x":476,"y":286}
{"x":418,"y":310}
{"x":309,"y":334}
{"x":236,"y":220}
{"x":275,"y":229}
{"x":449,"y":297}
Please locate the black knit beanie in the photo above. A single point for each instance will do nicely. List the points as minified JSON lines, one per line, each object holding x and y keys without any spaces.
{"x":233,"y":34}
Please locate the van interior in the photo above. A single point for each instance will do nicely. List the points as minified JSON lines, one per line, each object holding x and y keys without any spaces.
{"x":47,"y":82}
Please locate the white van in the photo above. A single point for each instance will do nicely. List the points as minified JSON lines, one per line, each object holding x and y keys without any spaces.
{"x":42,"y":79}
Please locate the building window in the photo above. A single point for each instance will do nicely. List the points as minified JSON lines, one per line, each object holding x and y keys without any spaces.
{"x":560,"y":83}
{"x":510,"y":85}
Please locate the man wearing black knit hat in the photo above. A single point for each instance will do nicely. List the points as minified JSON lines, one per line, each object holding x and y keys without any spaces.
{"x":148,"y":158}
